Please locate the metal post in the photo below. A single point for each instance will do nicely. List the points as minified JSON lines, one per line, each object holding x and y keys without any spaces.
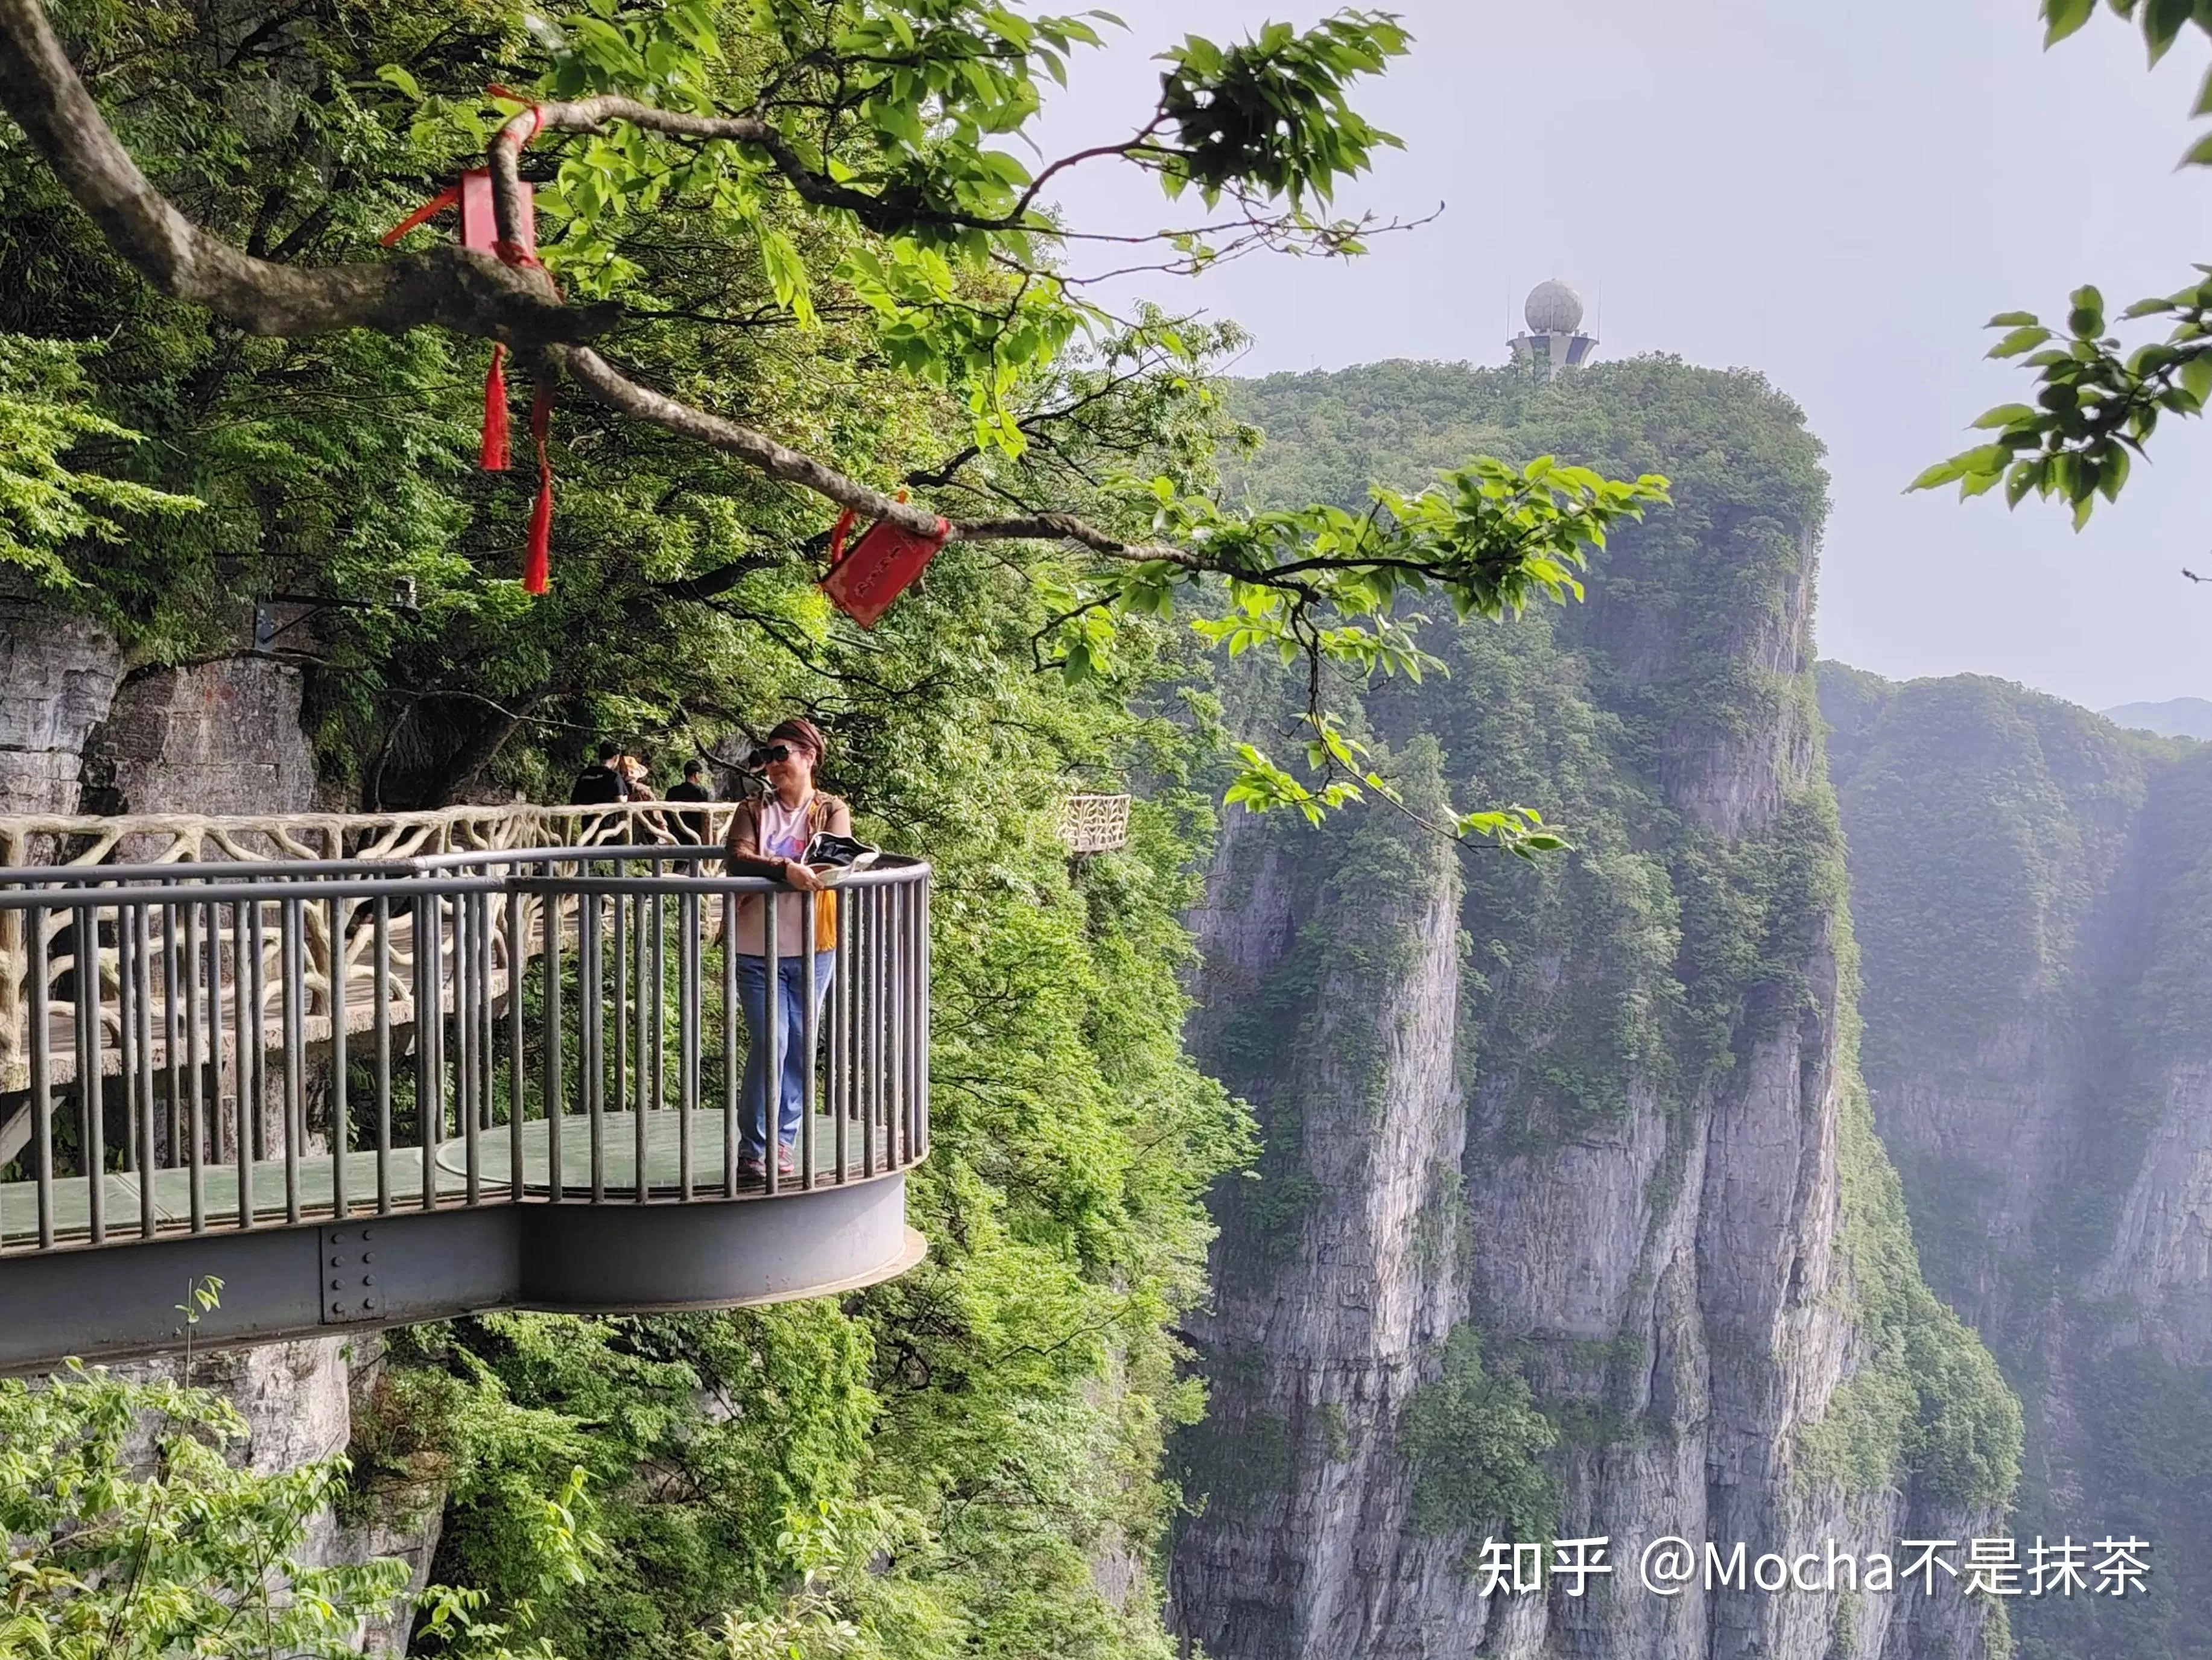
{"x":841,"y":1037}
{"x":687,"y":1035}
{"x":341,"y":1111}
{"x":42,"y":1093}
{"x":620,"y":905}
{"x":772,"y":1069}
{"x":142,"y":950}
{"x":196,"y":1063}
{"x":380,"y":989}
{"x":591,"y":1057}
{"x":925,"y":1004}
{"x":172,"y":1051}
{"x":291,"y":915}
{"x":254,"y":1038}
{"x":659,"y":995}
{"x":126,"y":1034}
{"x":466,"y":1037}
{"x":864,"y":995}
{"x":518,"y":953}
{"x":810,"y":1020}
{"x":549,"y":950}
{"x":93,"y":1138}
{"x":430,"y":1071}
{"x":731,"y":1077}
{"x":241,"y":1065}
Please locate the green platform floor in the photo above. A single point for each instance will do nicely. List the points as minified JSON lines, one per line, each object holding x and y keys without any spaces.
{"x":664,"y":1164}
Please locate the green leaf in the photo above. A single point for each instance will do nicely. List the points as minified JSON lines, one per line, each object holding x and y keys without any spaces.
{"x":2196,"y":376}
{"x":1933,"y":477}
{"x":2064,"y":17}
{"x":2027,"y":337}
{"x":2162,"y":22}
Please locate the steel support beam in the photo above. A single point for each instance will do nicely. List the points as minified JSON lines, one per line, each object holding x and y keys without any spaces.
{"x":278,"y":1283}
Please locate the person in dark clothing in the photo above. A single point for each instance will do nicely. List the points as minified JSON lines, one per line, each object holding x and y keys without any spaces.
{"x":602,"y":783}
{"x":691,"y":827}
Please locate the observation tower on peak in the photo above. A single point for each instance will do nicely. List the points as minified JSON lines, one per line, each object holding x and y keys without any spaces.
{"x":1554,"y":339}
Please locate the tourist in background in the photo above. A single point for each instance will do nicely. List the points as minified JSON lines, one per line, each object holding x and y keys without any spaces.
{"x":603,"y":782}
{"x":691,"y":827}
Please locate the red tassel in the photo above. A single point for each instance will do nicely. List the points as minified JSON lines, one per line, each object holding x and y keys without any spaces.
{"x":537,"y":559}
{"x":493,"y":454}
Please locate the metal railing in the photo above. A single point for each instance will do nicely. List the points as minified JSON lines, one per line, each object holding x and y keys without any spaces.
{"x":234,"y":1045}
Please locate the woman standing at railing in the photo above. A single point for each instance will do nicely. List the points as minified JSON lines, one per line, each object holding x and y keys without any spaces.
{"x":768,"y":837}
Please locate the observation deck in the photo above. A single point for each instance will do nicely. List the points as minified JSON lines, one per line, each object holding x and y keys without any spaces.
{"x":220,"y":1066}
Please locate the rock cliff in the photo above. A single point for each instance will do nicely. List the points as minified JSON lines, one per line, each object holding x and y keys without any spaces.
{"x":1570,"y":1221}
{"x":80,"y":732}
{"x":2033,"y":887}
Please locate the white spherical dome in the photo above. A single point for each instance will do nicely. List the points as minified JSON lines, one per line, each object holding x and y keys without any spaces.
{"x":1554,"y":308}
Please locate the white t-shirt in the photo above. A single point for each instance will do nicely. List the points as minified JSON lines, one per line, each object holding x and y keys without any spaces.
{"x":783,"y":834}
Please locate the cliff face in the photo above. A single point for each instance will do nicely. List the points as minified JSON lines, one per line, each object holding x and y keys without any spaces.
{"x":2034,"y":892}
{"x":1570,"y":1221}
{"x":81,"y":732}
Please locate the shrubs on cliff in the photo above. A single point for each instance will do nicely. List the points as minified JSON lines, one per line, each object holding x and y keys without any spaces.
{"x":1926,"y":1404}
{"x":1475,"y":1441}
{"x":131,"y":1535}
{"x":999,"y":1412}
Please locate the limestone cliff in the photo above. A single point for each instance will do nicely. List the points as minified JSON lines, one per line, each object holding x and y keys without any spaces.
{"x":81,"y":732}
{"x":1570,"y":1220}
{"x":2034,"y":894}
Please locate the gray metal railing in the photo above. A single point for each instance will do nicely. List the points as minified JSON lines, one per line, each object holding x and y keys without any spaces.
{"x":233,"y":1046}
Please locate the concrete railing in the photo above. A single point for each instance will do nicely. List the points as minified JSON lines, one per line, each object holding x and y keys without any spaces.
{"x":364,"y":842}
{"x":1095,"y":823}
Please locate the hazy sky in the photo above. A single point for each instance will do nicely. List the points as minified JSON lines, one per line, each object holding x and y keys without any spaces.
{"x":1836,"y":195}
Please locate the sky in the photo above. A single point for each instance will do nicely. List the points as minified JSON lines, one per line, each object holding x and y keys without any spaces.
{"x":1839,"y":195}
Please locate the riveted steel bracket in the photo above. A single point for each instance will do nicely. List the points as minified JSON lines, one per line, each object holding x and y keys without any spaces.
{"x":351,"y":1292}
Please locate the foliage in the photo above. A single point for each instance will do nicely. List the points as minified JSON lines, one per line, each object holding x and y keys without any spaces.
{"x":1925,"y":1404}
{"x":43,"y":504}
{"x":2096,"y":405}
{"x":857,"y":259}
{"x":1005,"y":1402}
{"x":1475,"y":1441}
{"x":131,"y":1535}
{"x":844,"y":1605}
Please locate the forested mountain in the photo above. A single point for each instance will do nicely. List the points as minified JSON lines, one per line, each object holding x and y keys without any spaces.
{"x":1571,"y":1218}
{"x":2032,"y":895}
{"x":2177,"y":717}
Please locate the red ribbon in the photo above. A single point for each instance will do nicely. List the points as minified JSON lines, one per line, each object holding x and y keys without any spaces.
{"x":431,"y":210}
{"x":536,"y":558}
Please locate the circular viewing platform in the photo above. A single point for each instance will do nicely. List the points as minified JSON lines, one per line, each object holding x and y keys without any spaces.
{"x":221,"y":1070}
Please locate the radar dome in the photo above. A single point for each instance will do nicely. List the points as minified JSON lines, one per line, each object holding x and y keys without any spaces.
{"x":1554,"y":308}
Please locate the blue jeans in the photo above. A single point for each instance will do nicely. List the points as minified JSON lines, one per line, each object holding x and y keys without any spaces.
{"x":752,"y":994}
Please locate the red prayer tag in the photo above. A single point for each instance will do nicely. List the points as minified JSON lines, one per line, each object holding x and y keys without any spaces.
{"x":881,"y":566}
{"x":480,"y":224}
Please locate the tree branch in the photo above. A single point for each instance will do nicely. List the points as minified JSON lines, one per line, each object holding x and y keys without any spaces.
{"x":450,"y":287}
